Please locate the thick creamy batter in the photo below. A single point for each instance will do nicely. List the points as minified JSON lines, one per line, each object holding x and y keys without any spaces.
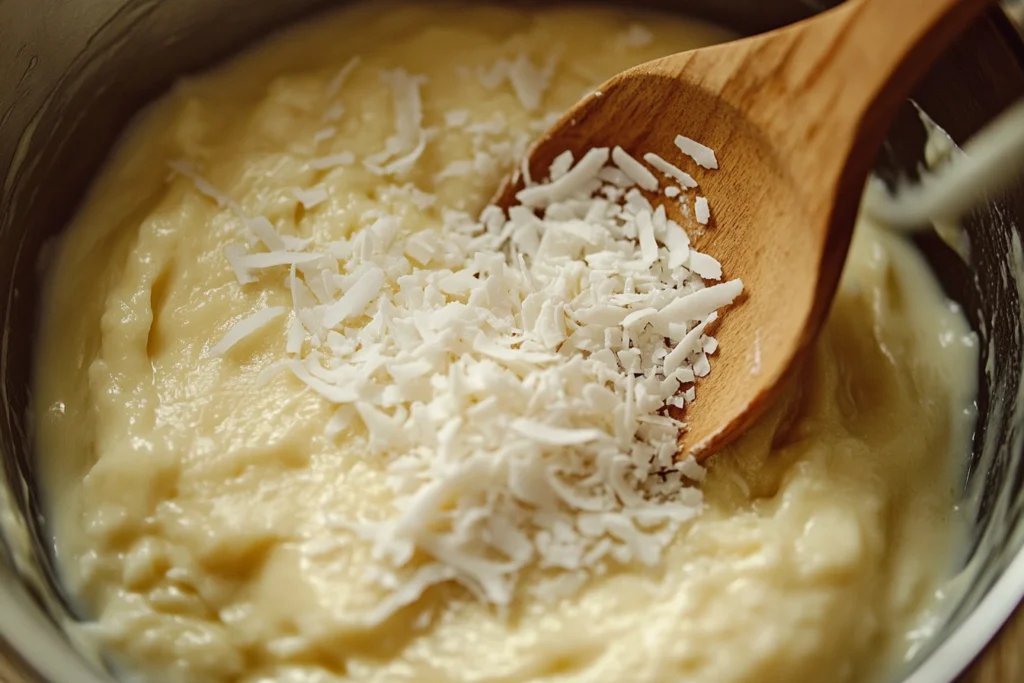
{"x":187,"y":501}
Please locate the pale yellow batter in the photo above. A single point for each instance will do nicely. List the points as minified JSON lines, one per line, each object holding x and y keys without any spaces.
{"x":187,"y":502}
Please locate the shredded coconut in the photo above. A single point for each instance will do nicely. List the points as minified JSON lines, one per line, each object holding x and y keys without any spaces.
{"x":206,"y":188}
{"x":528,"y":81}
{"x":701,"y":210}
{"x":324,"y":134}
{"x":310,"y":198}
{"x":512,"y":374}
{"x":456,"y":118}
{"x":704,"y":156}
{"x":410,"y":139}
{"x":265,"y":232}
{"x":570,"y":183}
{"x":334,"y":111}
{"x":705,"y":266}
{"x":339,"y":80}
{"x":634,"y":169}
{"x":234,"y":253}
{"x":332,"y":161}
{"x":244,"y":328}
{"x":684,"y":179}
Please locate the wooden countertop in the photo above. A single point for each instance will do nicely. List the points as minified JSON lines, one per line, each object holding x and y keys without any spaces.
{"x":1003,"y":660}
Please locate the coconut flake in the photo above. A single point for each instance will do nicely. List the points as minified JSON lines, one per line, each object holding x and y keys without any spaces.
{"x":265,"y":231}
{"x":684,"y":179}
{"x":296,"y":336}
{"x":634,"y":169}
{"x":705,"y":266}
{"x":701,"y":210}
{"x":530,"y":82}
{"x":324,"y":134}
{"x":310,"y":198}
{"x":403,"y":164}
{"x":272,"y":259}
{"x":678,"y":243}
{"x":687,"y":346}
{"x":456,"y":118}
{"x":338,"y":81}
{"x":410,"y":139}
{"x":333,"y":112}
{"x":569,"y":184}
{"x":561,"y":165}
{"x":332,"y":161}
{"x":557,"y":436}
{"x":244,"y":328}
{"x":704,"y":156}
{"x":355,"y":301}
{"x":204,"y":186}
{"x":645,"y":232}
{"x":702,"y":303}
{"x":340,"y":394}
{"x":234,"y":254}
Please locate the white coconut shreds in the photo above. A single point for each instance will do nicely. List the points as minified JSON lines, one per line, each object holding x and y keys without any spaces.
{"x":684,"y":179}
{"x":513,"y":373}
{"x":701,"y":210}
{"x":528,"y":81}
{"x":310,"y":198}
{"x":338,"y":81}
{"x":403,"y":149}
{"x":244,"y":328}
{"x":704,"y":156}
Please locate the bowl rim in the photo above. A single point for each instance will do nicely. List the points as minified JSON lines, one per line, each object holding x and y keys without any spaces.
{"x":966,"y":643}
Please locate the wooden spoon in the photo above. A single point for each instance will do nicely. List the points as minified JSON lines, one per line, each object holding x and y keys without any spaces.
{"x":796,"y":117}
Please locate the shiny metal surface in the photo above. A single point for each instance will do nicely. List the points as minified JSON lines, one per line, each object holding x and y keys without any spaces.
{"x":72,"y":72}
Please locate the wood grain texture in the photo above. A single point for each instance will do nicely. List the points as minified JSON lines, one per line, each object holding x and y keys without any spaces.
{"x":796,"y":117}
{"x":12,"y":669}
{"x":8,"y":674}
{"x":1003,"y":660}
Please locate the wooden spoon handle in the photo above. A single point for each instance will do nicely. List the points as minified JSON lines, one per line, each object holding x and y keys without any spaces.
{"x":876,"y":51}
{"x":817,"y":88}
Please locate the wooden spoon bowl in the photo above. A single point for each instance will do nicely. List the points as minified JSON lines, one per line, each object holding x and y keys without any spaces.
{"x":796,"y":117}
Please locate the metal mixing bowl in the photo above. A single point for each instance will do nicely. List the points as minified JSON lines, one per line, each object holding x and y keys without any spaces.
{"x":72,"y":73}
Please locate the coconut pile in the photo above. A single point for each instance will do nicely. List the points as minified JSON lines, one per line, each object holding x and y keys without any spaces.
{"x":510,"y":374}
